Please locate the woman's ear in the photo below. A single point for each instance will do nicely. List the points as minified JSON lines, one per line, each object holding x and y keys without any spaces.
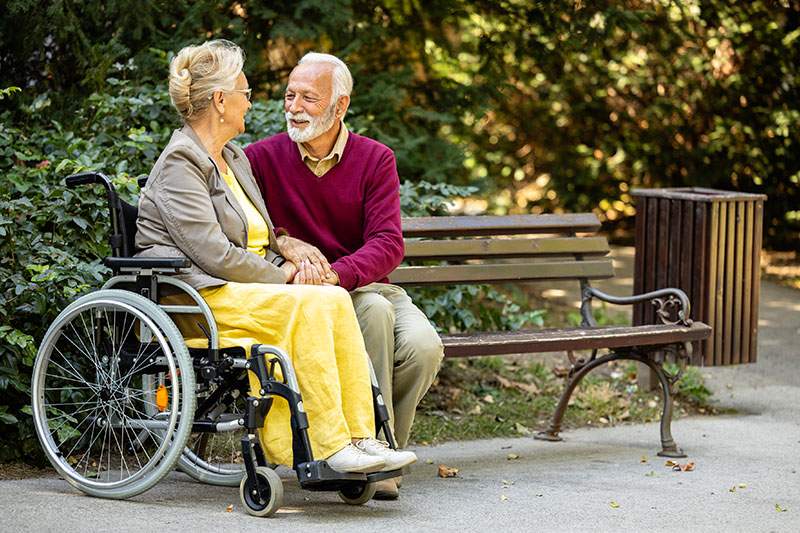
{"x":219,"y":101}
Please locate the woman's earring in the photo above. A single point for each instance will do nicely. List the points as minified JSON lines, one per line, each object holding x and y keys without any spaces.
{"x":222,"y":119}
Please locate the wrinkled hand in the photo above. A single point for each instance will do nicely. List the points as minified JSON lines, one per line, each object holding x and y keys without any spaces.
{"x":299,"y":252}
{"x":332,"y":279}
{"x":308,"y":274}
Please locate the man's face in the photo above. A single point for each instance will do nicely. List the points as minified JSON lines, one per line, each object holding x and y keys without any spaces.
{"x":308,"y":104}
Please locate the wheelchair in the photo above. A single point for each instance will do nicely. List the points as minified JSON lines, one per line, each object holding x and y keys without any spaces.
{"x":119,"y":400}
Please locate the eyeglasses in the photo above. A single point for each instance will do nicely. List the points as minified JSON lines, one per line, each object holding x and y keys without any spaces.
{"x":247,"y":92}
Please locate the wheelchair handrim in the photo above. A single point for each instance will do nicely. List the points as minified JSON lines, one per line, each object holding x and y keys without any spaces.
{"x":57,"y":459}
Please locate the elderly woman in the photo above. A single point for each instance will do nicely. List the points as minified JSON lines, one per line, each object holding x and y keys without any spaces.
{"x":202,"y":202}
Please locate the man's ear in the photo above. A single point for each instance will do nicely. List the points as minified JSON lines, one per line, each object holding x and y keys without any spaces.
{"x":341,"y":106}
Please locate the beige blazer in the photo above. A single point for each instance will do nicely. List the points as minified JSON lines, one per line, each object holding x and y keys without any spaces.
{"x":187,"y":210}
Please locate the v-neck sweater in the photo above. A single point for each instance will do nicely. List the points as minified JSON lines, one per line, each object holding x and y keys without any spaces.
{"x":351,"y":213}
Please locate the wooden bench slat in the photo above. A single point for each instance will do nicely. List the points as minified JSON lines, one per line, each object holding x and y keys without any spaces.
{"x":508,"y":272}
{"x":494,"y":225}
{"x":506,"y":248}
{"x":563,"y":339}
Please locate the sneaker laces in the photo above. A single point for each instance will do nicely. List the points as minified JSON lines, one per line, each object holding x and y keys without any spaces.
{"x":363,"y":442}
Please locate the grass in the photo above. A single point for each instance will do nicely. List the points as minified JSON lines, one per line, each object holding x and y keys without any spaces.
{"x":495,"y":397}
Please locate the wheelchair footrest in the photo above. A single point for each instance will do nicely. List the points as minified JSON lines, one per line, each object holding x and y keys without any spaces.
{"x":380,"y":476}
{"x":318,"y":476}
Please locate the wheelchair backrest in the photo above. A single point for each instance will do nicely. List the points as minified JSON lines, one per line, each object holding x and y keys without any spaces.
{"x":122,"y":214}
{"x":127,"y":224}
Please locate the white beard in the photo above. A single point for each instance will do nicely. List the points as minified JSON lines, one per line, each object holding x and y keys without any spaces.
{"x":316,"y":126}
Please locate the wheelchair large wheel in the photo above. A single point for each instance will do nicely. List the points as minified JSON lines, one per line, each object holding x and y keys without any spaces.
{"x":216,"y":458}
{"x":92,"y":403}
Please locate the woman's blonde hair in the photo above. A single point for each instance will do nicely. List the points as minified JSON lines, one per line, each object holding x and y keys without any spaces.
{"x":198,"y":71}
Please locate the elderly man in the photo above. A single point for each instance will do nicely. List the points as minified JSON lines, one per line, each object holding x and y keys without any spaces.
{"x":334,"y":197}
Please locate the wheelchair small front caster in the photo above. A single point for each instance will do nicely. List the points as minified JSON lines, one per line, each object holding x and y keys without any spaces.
{"x":358,"y":493}
{"x":271,"y":488}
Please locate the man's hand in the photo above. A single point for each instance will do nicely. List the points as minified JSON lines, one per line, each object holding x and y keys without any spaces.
{"x":299,"y":252}
{"x":332,"y":279}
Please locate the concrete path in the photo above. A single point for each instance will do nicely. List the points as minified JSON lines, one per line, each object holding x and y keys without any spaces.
{"x":747,"y":466}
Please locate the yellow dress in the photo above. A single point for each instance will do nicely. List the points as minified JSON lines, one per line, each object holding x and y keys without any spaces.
{"x":317,"y":327}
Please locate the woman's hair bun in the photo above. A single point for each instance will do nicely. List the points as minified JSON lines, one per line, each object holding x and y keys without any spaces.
{"x":196,"y":72}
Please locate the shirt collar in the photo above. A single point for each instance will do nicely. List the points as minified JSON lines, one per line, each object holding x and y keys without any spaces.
{"x":337,"y":151}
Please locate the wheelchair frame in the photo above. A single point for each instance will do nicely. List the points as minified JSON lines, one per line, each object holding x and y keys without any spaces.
{"x":261,"y":489}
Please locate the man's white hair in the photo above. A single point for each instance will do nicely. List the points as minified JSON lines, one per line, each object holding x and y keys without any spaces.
{"x":342,"y":79}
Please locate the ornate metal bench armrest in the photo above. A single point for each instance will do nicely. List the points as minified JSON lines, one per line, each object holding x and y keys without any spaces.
{"x":663,"y":299}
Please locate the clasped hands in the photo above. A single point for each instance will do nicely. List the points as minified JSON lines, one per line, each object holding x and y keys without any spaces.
{"x":305,"y":264}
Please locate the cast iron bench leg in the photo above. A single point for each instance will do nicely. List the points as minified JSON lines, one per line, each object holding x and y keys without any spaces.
{"x":668,"y":446}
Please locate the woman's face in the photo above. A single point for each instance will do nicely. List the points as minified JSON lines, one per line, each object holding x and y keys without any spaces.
{"x":237,"y":104}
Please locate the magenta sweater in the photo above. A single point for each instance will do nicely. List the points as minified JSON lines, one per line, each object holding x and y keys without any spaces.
{"x":351,"y":213}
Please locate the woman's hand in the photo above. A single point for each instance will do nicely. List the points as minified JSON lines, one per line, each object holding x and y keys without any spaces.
{"x":290,"y":269}
{"x":298,"y":252}
{"x":308,"y":274}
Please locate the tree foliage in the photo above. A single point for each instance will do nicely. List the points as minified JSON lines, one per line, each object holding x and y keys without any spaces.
{"x":547,"y":106}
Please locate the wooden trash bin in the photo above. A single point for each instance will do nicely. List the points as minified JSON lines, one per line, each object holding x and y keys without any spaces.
{"x":706,"y":242}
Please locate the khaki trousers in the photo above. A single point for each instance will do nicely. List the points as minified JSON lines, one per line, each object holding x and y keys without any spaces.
{"x":405,"y":350}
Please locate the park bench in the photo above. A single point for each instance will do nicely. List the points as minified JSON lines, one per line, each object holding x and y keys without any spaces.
{"x":460,"y":250}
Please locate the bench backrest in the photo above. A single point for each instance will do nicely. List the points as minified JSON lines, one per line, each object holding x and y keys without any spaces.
{"x":498,"y":249}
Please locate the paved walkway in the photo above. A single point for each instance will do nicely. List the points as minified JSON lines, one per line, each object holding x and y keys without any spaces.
{"x":746,"y":465}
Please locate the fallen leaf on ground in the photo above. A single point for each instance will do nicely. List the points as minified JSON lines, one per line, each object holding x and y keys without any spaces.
{"x":476,"y":410}
{"x":651,"y":473}
{"x":643,"y":459}
{"x":742,"y":485}
{"x":512,"y":456}
{"x":732,"y":489}
{"x":613,"y":504}
{"x":530,"y":388}
{"x":507,"y":483}
{"x":488,"y":398}
{"x":780,"y":509}
{"x":429,"y":461}
{"x":229,"y":509}
{"x":503,"y":497}
{"x":675,"y":465}
{"x":522,"y":429}
{"x":447,"y":471}
{"x":560,"y":371}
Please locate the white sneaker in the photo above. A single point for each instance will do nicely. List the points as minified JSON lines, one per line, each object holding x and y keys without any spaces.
{"x":352,"y":459}
{"x":394,"y":459}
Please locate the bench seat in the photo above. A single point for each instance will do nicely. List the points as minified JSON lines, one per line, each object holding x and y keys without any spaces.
{"x":568,"y":339}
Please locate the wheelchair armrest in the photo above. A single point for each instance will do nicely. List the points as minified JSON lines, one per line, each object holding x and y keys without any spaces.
{"x":141,"y":263}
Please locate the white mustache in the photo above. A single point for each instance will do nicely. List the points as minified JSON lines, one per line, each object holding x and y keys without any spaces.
{"x":299,"y":116}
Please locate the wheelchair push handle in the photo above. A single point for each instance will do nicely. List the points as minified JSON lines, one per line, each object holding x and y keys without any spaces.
{"x":114,"y":207}
{"x":85,"y":178}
